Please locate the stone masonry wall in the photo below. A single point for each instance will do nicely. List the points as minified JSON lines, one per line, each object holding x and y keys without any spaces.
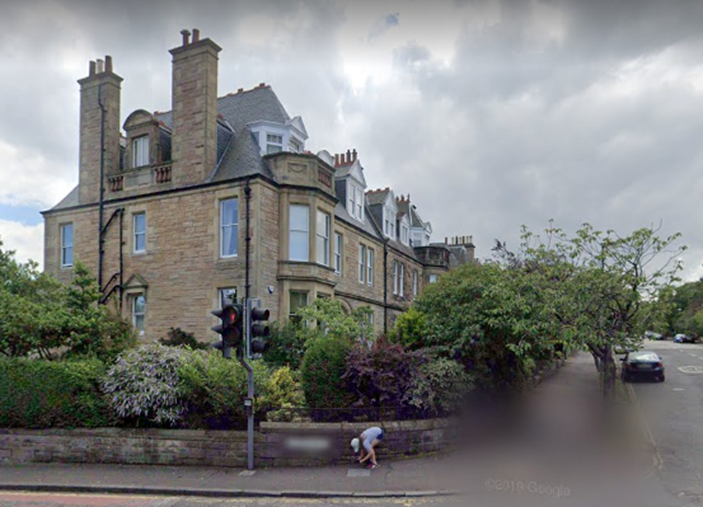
{"x":276,"y":444}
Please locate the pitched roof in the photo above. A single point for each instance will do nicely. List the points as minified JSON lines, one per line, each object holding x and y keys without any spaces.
{"x":379,"y":196}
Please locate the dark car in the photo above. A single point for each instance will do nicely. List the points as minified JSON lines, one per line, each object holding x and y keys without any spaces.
{"x":684,"y":338}
{"x":643,"y":365}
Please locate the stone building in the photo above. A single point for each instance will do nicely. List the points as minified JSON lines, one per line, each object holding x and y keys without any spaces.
{"x":219,"y":197}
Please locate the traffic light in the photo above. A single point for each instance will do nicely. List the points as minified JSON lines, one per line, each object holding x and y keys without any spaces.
{"x":231,"y":328}
{"x":258,"y":328}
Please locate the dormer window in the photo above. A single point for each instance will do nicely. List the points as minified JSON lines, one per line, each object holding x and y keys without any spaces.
{"x":140,"y":151}
{"x":389,"y":222}
{"x":404,"y":234}
{"x":274,"y":143}
{"x":294,"y":146}
{"x":356,"y":202}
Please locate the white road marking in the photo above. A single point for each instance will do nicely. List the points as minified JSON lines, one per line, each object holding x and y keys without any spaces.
{"x":690,"y":369}
{"x":247,"y":473}
{"x":355,"y":472}
{"x":692,"y":355}
{"x":678,"y":389}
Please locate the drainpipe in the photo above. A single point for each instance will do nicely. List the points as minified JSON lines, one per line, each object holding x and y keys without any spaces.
{"x":102,"y":188}
{"x":385,"y":286}
{"x":247,"y":241}
{"x":121,"y":258}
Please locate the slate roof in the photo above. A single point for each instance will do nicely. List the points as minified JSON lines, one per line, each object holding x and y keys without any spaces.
{"x":374,"y":197}
{"x":340,"y":211}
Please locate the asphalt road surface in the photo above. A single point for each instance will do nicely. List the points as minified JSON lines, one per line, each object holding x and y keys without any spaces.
{"x":673,"y":411}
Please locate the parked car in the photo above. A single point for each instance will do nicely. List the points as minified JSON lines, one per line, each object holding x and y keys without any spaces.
{"x":643,"y":364}
{"x":684,"y":338}
{"x":651,"y":335}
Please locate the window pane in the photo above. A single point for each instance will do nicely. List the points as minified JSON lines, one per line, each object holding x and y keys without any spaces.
{"x":299,"y":217}
{"x":273,"y":138}
{"x":362,"y":263}
{"x":371,"y":262}
{"x":298,"y":299}
{"x":299,"y":227}
{"x":229,"y":227}
{"x":67,"y":245}
{"x":338,"y":253}
{"x":230,"y":212}
{"x":272,"y":148}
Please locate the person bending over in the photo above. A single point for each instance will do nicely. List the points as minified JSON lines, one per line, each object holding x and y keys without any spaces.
{"x":365,"y":445}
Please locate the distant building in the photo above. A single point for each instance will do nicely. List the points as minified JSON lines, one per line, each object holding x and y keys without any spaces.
{"x":219,"y":197}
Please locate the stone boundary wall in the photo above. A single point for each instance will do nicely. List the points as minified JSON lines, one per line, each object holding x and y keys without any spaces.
{"x":275,"y":444}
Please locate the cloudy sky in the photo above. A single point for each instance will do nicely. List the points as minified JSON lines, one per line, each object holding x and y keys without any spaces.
{"x":491,"y":114}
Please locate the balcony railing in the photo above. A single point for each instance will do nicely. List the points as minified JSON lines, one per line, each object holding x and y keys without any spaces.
{"x":116,"y":183}
{"x":139,"y":177}
{"x":162,"y":173}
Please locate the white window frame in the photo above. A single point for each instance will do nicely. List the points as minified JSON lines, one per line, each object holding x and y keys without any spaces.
{"x":404,"y":234}
{"x":433,"y":278}
{"x":415,"y":282}
{"x":65,"y":248}
{"x":356,"y":201}
{"x":323,"y":238}
{"x":300,"y":234}
{"x":273,"y":145}
{"x":401,"y":283}
{"x":140,"y":151}
{"x":136,"y":234}
{"x":338,"y":249}
{"x":234,"y":226}
{"x":396,"y":269}
{"x":135,"y":315}
{"x":389,"y":219}
{"x":362,"y":264}
{"x":294,"y":145}
{"x":370,"y":266}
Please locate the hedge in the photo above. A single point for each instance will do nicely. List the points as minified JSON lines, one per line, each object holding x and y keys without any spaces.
{"x":46,"y":394}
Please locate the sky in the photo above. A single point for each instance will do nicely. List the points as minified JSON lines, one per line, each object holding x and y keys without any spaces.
{"x":490,"y":114}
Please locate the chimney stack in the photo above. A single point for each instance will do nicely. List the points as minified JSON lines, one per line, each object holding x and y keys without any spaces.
{"x":101,"y":86}
{"x":194,"y":106}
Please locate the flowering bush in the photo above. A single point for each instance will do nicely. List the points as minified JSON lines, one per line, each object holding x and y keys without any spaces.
{"x":143,"y":385}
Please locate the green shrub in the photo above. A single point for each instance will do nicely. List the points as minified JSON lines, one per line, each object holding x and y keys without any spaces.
{"x":284,"y":388}
{"x":323,"y":366}
{"x":440,"y":387}
{"x":176,"y":337}
{"x":213,"y":390}
{"x":46,"y":394}
{"x":287,"y":345}
{"x":410,"y":329}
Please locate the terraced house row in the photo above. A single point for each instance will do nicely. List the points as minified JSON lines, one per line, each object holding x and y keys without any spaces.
{"x":219,"y":197}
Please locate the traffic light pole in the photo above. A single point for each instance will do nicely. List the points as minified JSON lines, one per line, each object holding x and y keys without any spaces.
{"x":249,"y":409}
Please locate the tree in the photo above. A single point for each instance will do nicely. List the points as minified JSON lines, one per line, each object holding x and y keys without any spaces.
{"x":599,"y":284}
{"x":493,"y":319}
{"x":41,"y":316}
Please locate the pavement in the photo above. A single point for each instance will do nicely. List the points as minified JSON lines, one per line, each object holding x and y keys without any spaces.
{"x":550,"y":449}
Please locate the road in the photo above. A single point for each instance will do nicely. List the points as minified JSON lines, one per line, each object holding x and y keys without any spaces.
{"x":71,"y":500}
{"x":674,"y":412}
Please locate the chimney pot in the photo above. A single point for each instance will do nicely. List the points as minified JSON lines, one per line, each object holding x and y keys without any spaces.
{"x":91,"y":68}
{"x":196,"y":35}
{"x":349,"y":159}
{"x":354,"y":154}
{"x":336,"y":159}
{"x":108,"y":63}
{"x":445,"y":240}
{"x":101,"y":65}
{"x":262,"y":85}
{"x":186,"y":37}
{"x":240,"y":90}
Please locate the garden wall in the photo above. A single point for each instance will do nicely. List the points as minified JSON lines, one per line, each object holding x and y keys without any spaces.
{"x":276,"y":444}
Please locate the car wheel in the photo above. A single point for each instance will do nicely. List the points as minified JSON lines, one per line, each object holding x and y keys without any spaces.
{"x":662,"y":378}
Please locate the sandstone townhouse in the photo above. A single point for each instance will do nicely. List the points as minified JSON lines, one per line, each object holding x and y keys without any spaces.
{"x":174,"y":211}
